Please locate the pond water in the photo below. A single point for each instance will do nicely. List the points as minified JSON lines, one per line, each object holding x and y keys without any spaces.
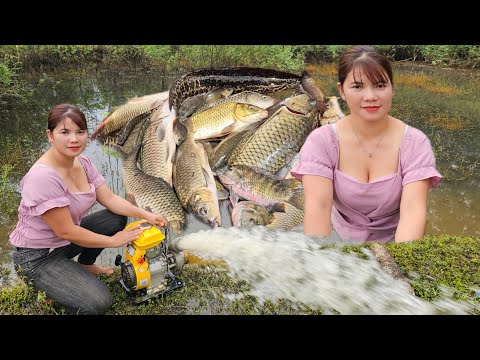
{"x":443,"y":103}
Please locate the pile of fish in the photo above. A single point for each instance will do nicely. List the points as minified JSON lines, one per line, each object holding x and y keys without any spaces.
{"x":228,"y":134}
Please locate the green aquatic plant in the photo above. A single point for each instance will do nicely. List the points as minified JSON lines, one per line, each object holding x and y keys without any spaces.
{"x":436,"y":261}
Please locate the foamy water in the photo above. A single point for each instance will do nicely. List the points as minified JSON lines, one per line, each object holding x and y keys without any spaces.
{"x":295,"y":267}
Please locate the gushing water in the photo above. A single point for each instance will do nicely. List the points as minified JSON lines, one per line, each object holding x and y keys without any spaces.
{"x":299,"y":268}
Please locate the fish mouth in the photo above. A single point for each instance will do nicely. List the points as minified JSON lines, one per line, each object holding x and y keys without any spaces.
{"x":214,"y":223}
{"x":224,"y":179}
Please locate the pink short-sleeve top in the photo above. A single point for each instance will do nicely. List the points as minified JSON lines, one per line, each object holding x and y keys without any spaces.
{"x":364,"y":212}
{"x":42,"y":189}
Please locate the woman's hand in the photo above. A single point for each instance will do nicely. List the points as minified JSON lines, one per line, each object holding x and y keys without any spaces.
{"x":125,"y":236}
{"x":156,"y":219}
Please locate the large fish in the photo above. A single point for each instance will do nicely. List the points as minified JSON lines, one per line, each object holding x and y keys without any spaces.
{"x":194,"y":182}
{"x":154,"y":153}
{"x":167,"y":146}
{"x":122,"y":115}
{"x":239,"y":78}
{"x":261,"y":188}
{"x":223,"y":119}
{"x":123,"y":134}
{"x":246,"y":97}
{"x":134,"y":139}
{"x":194,"y":103}
{"x":220,"y":154}
{"x":151,"y":193}
{"x":276,"y":141}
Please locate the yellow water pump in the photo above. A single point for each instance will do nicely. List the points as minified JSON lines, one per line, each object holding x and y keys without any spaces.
{"x":150,"y":267}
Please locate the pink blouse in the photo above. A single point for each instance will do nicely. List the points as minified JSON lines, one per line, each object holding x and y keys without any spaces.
{"x":364,"y":212}
{"x":42,"y":189}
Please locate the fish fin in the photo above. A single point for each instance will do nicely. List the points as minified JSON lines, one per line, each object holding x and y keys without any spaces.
{"x":161,"y":130}
{"x":208,"y":181}
{"x":156,"y":104}
{"x":228,"y":129}
{"x":180,"y":132}
{"x":234,"y":198}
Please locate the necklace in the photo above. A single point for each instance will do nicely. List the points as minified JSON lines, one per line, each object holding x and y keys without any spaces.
{"x":364,"y":149}
{"x":71,"y":173}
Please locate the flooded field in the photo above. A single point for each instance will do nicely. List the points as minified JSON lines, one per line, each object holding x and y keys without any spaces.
{"x":443,"y":103}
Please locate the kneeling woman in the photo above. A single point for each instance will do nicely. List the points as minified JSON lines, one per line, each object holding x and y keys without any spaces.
{"x":56,"y":193}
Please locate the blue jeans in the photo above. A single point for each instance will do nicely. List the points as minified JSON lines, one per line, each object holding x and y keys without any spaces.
{"x":64,"y":280}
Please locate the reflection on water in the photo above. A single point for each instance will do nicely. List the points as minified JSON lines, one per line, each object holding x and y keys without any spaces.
{"x":450,"y":118}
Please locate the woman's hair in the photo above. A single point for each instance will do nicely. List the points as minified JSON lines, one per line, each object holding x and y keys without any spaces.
{"x":369,"y":60}
{"x":63,"y":111}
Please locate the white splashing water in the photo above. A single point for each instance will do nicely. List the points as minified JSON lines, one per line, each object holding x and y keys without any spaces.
{"x":296,"y":267}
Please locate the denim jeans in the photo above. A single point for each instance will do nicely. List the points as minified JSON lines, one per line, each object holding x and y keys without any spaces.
{"x":64,"y":280}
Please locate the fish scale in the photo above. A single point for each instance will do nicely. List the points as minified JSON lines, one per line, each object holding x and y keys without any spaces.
{"x":261,"y":188}
{"x":152,"y":192}
{"x":194,"y":182}
{"x":245,"y":97}
{"x":275,"y":142}
{"x":153,"y":155}
{"x":123,"y":114}
{"x":187,"y":174}
{"x":222,"y":151}
{"x":291,"y":218}
{"x":224,"y":119}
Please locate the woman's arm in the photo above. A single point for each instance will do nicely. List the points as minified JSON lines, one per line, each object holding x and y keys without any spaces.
{"x":120,"y":206}
{"x":318,"y":192}
{"x":413,"y":211}
{"x":60,"y":221}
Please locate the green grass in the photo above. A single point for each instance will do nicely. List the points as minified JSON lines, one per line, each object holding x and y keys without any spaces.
{"x":438,"y":261}
{"x":430,"y":264}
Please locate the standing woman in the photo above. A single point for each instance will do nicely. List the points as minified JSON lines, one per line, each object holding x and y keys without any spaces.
{"x":56,"y":193}
{"x":369,"y":174}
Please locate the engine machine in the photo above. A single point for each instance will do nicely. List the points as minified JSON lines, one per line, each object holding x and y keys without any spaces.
{"x":150,"y":267}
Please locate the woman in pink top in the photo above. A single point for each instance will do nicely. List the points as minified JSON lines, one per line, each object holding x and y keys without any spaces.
{"x":368,"y":175}
{"x":57,"y":192}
